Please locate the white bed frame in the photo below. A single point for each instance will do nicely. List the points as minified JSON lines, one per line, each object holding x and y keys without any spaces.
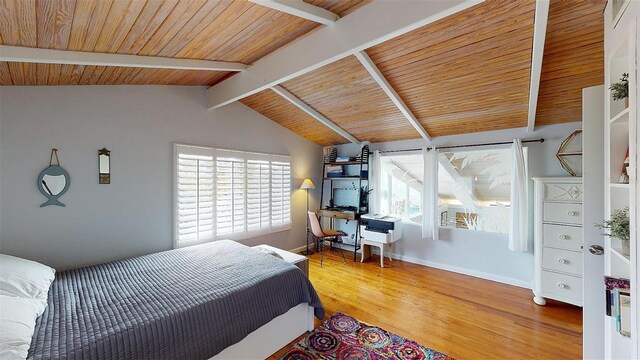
{"x":271,"y":336}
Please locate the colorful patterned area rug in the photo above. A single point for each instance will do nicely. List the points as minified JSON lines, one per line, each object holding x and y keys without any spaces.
{"x":343,"y":337}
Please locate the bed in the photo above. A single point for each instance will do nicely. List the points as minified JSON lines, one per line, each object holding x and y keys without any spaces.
{"x":220,"y":299}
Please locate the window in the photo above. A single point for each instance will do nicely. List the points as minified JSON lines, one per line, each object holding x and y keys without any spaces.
{"x":230,"y":193}
{"x":474,"y":190}
{"x":194,"y":196}
{"x":223,"y":194}
{"x":402,"y":186}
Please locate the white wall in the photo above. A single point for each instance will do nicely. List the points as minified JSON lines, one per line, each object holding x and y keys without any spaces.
{"x":476,"y":253}
{"x":132,"y":215}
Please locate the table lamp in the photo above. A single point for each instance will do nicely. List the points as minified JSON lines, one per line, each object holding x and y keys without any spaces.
{"x":306,"y":185}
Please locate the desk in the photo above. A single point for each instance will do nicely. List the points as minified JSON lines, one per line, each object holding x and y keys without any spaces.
{"x":345,"y":215}
{"x":337,"y":214}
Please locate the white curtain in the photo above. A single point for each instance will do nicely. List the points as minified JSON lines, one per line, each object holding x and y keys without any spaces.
{"x":376,"y":183}
{"x":519,"y":221}
{"x":430,"y":215}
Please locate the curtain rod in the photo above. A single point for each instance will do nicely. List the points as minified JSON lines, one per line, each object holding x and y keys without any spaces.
{"x":541,"y":140}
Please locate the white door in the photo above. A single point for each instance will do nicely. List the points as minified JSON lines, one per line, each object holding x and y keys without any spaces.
{"x":593,"y":212}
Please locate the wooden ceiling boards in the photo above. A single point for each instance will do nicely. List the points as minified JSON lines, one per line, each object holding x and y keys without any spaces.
{"x":281,"y":111}
{"x":573,"y":59}
{"x":465,"y":73}
{"x":345,"y":93}
{"x":223,"y":30}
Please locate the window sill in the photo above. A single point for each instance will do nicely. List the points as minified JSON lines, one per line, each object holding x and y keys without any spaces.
{"x":233,"y":237}
{"x":473,"y":231}
{"x":258,"y":234}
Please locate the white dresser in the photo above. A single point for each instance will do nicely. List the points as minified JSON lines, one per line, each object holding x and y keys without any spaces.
{"x":558,"y":242}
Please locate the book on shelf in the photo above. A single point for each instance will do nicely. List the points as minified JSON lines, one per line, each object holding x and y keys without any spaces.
{"x":334,"y":171}
{"x":612,"y":283}
{"x":622,"y":310}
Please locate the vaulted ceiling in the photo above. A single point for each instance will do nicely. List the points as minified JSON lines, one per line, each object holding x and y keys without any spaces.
{"x":467,"y":72}
{"x":573,"y":59}
{"x":224,"y":30}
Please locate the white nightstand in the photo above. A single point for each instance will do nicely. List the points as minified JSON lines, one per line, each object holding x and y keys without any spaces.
{"x":292,"y":258}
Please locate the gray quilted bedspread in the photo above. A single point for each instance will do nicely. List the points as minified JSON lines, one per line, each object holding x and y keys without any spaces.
{"x":189,"y":303}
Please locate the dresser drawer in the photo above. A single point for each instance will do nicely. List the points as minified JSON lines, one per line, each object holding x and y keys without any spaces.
{"x":562,"y":287}
{"x":562,"y":237}
{"x":563,"y":192}
{"x":563,"y":213}
{"x":562,"y":260}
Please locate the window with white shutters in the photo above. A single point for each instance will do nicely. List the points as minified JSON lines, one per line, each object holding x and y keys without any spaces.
{"x":225,"y":194}
{"x":194,"y":190}
{"x":280,"y":194}
{"x":230,"y":194}
{"x":258,"y":196}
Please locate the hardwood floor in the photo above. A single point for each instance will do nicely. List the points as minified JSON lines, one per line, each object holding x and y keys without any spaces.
{"x":462,"y":316}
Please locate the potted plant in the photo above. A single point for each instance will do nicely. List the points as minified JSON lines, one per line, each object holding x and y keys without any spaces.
{"x":618,"y":227}
{"x":620,"y":90}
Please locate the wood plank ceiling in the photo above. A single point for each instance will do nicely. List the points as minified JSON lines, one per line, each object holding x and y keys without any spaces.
{"x":345,"y":93}
{"x":450,"y":73}
{"x":468,"y":72}
{"x":273,"y":106}
{"x":224,"y":30}
{"x":573,"y":59}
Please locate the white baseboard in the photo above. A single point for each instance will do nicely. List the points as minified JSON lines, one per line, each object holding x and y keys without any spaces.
{"x":299,"y":249}
{"x":455,"y":269}
{"x":464,"y":271}
{"x":461,"y":270}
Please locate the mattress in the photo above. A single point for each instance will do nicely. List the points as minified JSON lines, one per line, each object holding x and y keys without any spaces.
{"x":186,"y":303}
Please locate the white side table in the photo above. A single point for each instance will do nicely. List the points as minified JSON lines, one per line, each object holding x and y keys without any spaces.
{"x":292,"y":258}
{"x":366,"y":250}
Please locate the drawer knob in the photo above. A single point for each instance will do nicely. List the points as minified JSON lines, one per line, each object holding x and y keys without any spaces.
{"x":563,"y":237}
{"x":576,"y":192}
{"x":562,"y":286}
{"x":572,"y":213}
{"x":562,"y":261}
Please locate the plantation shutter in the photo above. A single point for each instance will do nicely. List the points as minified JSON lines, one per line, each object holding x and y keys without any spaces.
{"x":258,"y":194}
{"x":230,"y":194}
{"x":194,"y":195}
{"x":225,"y":194}
{"x":280,"y":193}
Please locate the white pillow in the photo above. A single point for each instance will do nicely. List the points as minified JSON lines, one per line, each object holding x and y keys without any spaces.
{"x":17,"y":325}
{"x":25,"y":278}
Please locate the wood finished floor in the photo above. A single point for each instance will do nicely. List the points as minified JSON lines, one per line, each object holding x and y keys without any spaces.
{"x":462,"y":316}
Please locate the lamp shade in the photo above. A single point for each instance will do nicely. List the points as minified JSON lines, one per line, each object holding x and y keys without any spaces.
{"x":307,"y":184}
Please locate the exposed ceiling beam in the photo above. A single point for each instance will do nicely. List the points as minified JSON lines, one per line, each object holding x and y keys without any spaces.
{"x":537,"y":52}
{"x":316,"y":115}
{"x":301,"y":9}
{"x":49,"y":56}
{"x":375,"y":73}
{"x":371,"y":25}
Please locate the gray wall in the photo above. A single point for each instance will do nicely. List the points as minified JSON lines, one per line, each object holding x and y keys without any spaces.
{"x":132,"y":215}
{"x":476,"y":253}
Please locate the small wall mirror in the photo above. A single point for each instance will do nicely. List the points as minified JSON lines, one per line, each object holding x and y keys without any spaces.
{"x":54,"y":184}
{"x":53,"y":181}
{"x":104,"y":164}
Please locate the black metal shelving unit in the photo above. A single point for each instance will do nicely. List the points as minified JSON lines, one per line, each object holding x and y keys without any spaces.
{"x":362,"y":179}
